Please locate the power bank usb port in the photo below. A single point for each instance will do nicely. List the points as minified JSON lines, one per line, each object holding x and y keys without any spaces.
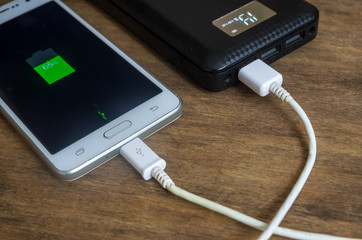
{"x":270,"y":53}
{"x":294,"y":39}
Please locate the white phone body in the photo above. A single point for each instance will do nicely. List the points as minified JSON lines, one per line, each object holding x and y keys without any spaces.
{"x":74,"y":124}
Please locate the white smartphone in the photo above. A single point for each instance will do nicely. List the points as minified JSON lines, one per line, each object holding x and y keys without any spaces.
{"x":73,"y":94}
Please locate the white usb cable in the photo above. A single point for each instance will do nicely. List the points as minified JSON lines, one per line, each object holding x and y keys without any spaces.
{"x":138,"y":153}
{"x":262,"y":79}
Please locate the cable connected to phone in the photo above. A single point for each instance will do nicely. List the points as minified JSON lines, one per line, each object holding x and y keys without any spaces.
{"x":161,"y":176}
{"x":263,"y":80}
{"x":137,"y":153}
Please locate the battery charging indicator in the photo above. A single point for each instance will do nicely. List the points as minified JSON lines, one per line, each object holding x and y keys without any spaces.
{"x":49,"y":65}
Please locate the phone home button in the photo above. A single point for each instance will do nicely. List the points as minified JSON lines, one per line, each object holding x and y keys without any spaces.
{"x":80,"y":151}
{"x":117,"y":129}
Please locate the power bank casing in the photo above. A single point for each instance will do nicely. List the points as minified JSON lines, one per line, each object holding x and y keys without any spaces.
{"x":183,"y":32}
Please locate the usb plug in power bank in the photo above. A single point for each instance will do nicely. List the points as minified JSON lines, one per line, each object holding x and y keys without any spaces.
{"x":211,"y":40}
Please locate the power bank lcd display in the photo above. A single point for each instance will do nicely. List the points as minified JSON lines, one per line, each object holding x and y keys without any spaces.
{"x":243,"y":18}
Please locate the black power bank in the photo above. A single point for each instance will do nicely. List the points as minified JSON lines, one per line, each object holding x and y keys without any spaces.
{"x":211,"y":40}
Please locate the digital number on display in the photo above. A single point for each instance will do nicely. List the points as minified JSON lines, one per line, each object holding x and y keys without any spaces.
{"x":243,"y":18}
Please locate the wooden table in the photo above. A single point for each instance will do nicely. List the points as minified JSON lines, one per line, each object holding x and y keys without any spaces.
{"x":232,"y":147}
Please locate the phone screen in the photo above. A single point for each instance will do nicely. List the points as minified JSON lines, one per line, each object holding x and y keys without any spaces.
{"x":61,"y":80}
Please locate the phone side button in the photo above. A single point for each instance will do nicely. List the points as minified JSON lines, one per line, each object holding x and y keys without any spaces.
{"x":117,"y":129}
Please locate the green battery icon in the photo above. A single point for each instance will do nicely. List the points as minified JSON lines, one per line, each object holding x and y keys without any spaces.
{"x":49,"y":65}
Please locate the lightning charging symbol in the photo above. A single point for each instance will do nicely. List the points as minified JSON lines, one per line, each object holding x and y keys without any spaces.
{"x":103,"y":116}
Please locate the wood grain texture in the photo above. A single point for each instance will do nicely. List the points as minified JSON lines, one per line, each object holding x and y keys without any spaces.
{"x":232,"y":147}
